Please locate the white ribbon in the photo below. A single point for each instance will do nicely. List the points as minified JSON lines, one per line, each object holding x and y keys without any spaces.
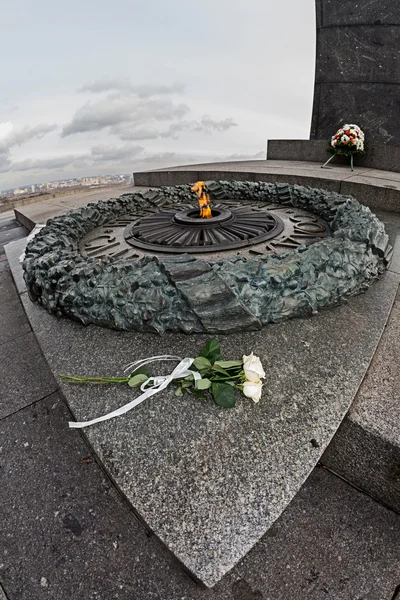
{"x":159,"y":383}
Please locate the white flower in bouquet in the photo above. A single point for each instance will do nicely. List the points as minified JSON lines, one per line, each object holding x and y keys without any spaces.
{"x":348,"y":140}
{"x":253,"y":390}
{"x":253,"y":368}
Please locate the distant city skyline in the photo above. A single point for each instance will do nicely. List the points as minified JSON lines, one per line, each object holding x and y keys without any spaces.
{"x":112,"y":89}
{"x":90,"y":180}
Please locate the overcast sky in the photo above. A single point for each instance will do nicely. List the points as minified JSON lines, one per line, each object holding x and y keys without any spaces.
{"x":95,"y":87}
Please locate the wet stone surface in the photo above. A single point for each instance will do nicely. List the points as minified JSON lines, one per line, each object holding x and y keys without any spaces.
{"x":210,"y":482}
{"x":67,"y":534}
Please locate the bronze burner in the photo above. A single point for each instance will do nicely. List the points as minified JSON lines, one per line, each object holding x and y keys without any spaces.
{"x":175,"y":231}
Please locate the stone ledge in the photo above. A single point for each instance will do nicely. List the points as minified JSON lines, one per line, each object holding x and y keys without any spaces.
{"x":209,"y":484}
{"x":373,"y":187}
{"x":382,"y":157}
{"x":366,"y":448}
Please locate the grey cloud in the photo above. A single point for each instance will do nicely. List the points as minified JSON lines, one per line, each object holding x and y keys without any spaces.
{"x":43,"y":163}
{"x":205,"y":125}
{"x":21,"y":136}
{"x":114,"y":110}
{"x":101,"y":154}
{"x":136,"y":133}
{"x":124,"y":85}
{"x":106,"y":159}
{"x":168,"y":159}
{"x":109,"y":153}
{"x":5,"y":163}
{"x":208,"y":124}
{"x":131,"y":111}
{"x":156,"y":157}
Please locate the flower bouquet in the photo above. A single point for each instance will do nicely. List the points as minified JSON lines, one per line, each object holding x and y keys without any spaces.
{"x":206,"y":374}
{"x":347,"y":141}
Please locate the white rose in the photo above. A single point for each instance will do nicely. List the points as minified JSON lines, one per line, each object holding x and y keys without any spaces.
{"x":253,"y":390}
{"x":253,"y":368}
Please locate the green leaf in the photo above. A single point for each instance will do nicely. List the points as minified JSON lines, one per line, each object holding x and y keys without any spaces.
{"x":228,"y":364}
{"x":179,"y":391}
{"x":140,"y":370}
{"x":201,"y":363}
{"x":137,"y":380}
{"x":219,"y":369}
{"x":211,"y":350}
{"x":203,"y":384}
{"x":223,"y":394}
{"x":186,"y":384}
{"x":197,"y":393}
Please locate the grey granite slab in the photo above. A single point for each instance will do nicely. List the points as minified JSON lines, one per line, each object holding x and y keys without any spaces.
{"x":357,"y":54}
{"x":382,"y":385}
{"x":24,"y":374}
{"x":384,"y":158}
{"x":346,"y":13}
{"x":374,"y":106}
{"x":395,"y":262}
{"x":392,"y":227}
{"x":13,"y":251}
{"x":357,"y":69}
{"x":373,"y":187}
{"x":210,"y":482}
{"x":13,"y":321}
{"x":366,"y":449}
{"x":11,"y":234}
{"x":29,"y":215}
{"x":332,"y":551}
{"x":375,"y":193}
{"x":8,"y":291}
{"x":66,"y":533}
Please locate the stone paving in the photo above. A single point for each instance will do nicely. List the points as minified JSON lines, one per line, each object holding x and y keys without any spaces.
{"x":66,"y":533}
{"x":211,"y":498}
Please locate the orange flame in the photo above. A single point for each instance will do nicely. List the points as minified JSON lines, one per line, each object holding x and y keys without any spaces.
{"x":204,"y":199}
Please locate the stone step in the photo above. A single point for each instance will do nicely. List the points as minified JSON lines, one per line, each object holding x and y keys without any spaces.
{"x":210,"y":482}
{"x":372,"y":187}
{"x":385,"y":157}
{"x":366,"y":448}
